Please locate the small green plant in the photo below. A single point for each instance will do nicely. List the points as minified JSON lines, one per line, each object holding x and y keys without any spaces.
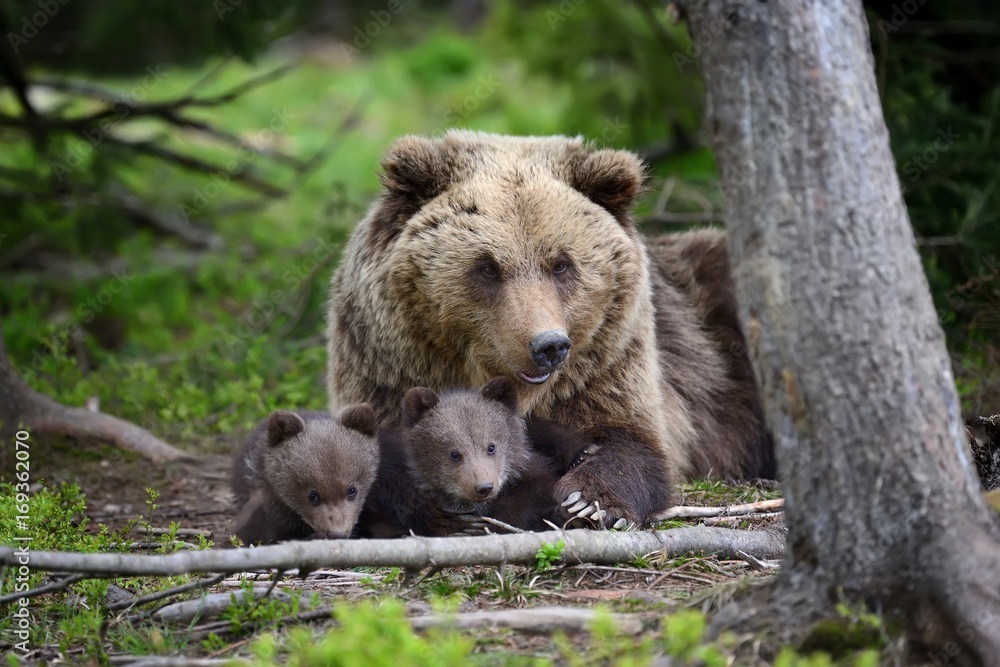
{"x":791,"y":658}
{"x":247,"y":611}
{"x":370,"y":635}
{"x":548,"y":554}
{"x":683,"y":639}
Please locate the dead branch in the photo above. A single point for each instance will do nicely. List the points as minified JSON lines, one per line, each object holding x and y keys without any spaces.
{"x":20,"y":405}
{"x":539,"y":620}
{"x":161,"y":595}
{"x":581,"y":546}
{"x":211,"y":605}
{"x":688,"y":512}
{"x":174,"y":661}
{"x":51,"y":587}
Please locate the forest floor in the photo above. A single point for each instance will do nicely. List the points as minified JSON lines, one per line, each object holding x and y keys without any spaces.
{"x":192,"y":500}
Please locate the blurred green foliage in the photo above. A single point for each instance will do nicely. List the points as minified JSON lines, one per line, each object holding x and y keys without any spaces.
{"x":197,"y":343}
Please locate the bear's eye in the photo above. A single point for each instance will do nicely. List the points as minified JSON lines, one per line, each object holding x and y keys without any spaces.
{"x":314,"y":498}
{"x":491,"y":448}
{"x":560,"y":267}
{"x":351,"y":492}
{"x":455,"y":456}
{"x":490,"y":270}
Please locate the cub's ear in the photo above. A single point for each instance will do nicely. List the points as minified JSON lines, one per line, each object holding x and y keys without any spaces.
{"x":282,"y":425}
{"x":416,"y":403}
{"x":611,"y":179}
{"x":501,"y":389}
{"x":360,"y":418}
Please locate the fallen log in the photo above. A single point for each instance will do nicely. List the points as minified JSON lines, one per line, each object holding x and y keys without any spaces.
{"x":414,"y":553}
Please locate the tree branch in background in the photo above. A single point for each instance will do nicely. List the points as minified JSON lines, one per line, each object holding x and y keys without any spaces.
{"x":20,"y":405}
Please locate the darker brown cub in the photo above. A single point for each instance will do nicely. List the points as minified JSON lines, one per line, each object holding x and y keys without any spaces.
{"x":461,"y":453}
{"x":304,"y":474}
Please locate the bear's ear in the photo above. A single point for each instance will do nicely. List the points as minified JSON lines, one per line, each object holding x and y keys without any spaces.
{"x":416,"y":403}
{"x":611,"y":179}
{"x":360,"y":418}
{"x":282,"y":425}
{"x":414,"y":170}
{"x":501,"y":389}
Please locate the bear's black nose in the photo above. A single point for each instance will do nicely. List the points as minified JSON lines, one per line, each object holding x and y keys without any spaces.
{"x":484,"y":489}
{"x":549,"y":349}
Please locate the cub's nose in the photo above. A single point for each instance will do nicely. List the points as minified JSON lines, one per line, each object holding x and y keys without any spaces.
{"x":549,"y":349}
{"x":484,"y":489}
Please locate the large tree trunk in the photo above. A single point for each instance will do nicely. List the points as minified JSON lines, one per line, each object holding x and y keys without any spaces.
{"x":881,"y":500}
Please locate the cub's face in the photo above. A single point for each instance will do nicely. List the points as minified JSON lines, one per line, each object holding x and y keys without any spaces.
{"x":465,"y":446}
{"x":521,"y":260}
{"x":323,"y":468}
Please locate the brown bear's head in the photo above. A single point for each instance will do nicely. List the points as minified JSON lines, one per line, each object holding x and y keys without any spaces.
{"x":465,"y":445}
{"x":515,"y":253}
{"x":323,"y":468}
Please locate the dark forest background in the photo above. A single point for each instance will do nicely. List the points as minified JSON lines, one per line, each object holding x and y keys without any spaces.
{"x":176,"y":178}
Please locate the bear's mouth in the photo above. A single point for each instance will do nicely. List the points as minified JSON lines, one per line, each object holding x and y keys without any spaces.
{"x":533,"y":379}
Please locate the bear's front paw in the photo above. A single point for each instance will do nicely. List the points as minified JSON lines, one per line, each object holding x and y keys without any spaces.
{"x":584,"y":495}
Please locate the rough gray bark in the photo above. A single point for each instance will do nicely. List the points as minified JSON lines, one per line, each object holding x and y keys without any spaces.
{"x":20,"y":405}
{"x":880,"y":497}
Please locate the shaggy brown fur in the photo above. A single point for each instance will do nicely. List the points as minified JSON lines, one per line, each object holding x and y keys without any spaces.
{"x":304,"y":474}
{"x":482,"y":245}
{"x":460,"y":453}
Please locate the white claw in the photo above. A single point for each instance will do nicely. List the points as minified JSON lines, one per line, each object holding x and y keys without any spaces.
{"x":599,"y":514}
{"x":579,"y":506}
{"x":619,"y":524}
{"x":586,"y":511}
{"x":572,"y":498}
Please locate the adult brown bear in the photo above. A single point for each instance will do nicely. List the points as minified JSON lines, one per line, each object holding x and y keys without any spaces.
{"x":493,"y":255}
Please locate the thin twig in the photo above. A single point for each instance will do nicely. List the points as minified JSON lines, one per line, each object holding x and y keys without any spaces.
{"x":500,"y":524}
{"x":690,"y":512}
{"x":58,"y":585}
{"x":756,"y":562}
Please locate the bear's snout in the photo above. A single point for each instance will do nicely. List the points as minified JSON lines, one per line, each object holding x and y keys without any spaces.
{"x":549,"y":349}
{"x":484,"y":489}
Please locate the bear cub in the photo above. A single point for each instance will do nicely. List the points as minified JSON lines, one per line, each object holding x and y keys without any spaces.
{"x":304,"y":474}
{"x":459,"y":455}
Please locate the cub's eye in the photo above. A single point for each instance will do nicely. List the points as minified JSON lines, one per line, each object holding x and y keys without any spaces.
{"x":351,"y":492}
{"x":490,"y":270}
{"x":314,"y":498}
{"x":560,"y":267}
{"x":455,"y":456}
{"x":491,"y":448}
